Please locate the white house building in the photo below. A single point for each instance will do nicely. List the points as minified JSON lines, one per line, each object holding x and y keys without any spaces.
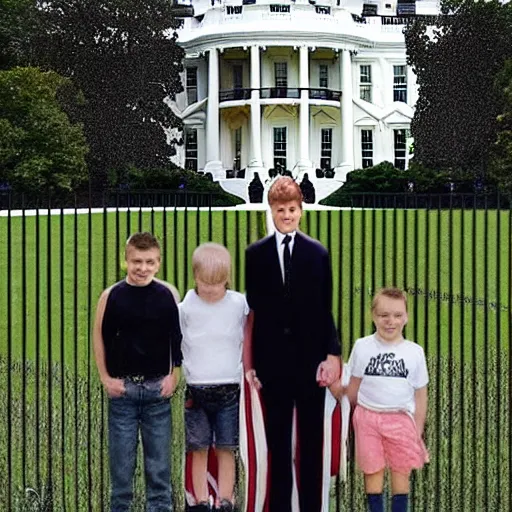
{"x":309,"y":86}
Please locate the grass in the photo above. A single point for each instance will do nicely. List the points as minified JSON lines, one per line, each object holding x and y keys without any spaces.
{"x":455,"y":265}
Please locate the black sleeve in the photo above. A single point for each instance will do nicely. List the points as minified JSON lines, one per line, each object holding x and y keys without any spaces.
{"x":176,"y":336}
{"x":333,"y":344}
{"x":250,"y":279}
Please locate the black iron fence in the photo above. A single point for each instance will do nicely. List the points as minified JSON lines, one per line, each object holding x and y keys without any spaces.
{"x":453,"y":258}
{"x":109,"y":199}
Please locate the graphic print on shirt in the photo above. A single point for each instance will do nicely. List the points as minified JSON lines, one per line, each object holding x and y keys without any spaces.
{"x":385,"y":365}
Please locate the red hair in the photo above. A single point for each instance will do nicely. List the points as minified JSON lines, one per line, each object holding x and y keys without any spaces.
{"x":283,"y":190}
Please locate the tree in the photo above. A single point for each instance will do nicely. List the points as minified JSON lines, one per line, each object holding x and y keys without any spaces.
{"x":18,"y":23}
{"x":501,"y":167}
{"x":455,"y":122}
{"x":39,"y":147}
{"x":123,"y":55}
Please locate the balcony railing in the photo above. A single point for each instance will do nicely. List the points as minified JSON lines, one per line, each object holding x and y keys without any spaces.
{"x":279,"y":92}
{"x":235,"y":94}
{"x":324,"y":94}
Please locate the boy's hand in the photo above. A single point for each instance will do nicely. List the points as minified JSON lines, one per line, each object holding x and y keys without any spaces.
{"x":114,"y":387}
{"x":252,"y":379}
{"x":169,"y":383}
{"x":328,"y":371}
{"x":337,"y":389}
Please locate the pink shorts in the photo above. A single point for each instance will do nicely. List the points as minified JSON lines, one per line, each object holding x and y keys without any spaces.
{"x":387,"y":439}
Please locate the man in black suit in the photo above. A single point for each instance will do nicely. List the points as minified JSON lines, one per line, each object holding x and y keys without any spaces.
{"x":294,"y":350}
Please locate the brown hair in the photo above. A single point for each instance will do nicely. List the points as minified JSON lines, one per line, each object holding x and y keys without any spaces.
{"x":391,"y":293}
{"x":142,"y":242}
{"x":283,"y":190}
{"x":211,"y":263}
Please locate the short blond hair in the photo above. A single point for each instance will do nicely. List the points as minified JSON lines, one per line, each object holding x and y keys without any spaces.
{"x":211,"y":263}
{"x":390,"y":292}
{"x":283,"y":190}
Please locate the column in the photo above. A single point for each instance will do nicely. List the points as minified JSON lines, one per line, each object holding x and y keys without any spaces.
{"x":386,"y":81}
{"x":304,"y":163}
{"x":213,"y":163}
{"x":347,"y":113}
{"x":201,"y":147}
{"x":255,"y":161}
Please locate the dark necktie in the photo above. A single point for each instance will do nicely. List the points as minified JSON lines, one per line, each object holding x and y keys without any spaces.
{"x":287,"y":260}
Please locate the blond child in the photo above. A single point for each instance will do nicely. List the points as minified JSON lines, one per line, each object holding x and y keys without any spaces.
{"x":212,"y":319}
{"x":388,"y":384}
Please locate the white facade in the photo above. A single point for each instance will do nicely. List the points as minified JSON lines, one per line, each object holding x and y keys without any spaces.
{"x":294,"y":85}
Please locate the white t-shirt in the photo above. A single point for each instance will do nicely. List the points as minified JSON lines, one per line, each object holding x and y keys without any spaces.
{"x":213,"y":333}
{"x":390,"y":373}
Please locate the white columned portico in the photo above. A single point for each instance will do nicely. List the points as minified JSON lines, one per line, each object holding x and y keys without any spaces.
{"x":304,"y":164}
{"x":255,"y":161}
{"x":213,"y":163}
{"x":347,"y":112}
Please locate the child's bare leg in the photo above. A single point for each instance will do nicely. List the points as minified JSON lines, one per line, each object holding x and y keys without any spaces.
{"x":374,"y":483}
{"x":226,"y":460}
{"x":199,"y":469}
{"x":399,"y":482}
{"x":400,"y":491}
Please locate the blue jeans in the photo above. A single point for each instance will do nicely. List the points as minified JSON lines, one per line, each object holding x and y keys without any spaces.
{"x":142,"y":407}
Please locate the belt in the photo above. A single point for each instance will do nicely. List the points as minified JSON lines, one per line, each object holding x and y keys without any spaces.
{"x":140,"y":379}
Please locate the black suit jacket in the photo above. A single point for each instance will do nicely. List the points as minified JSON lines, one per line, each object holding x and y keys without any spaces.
{"x":290,"y":336}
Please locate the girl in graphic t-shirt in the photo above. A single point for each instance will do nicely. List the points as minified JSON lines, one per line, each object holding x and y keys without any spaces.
{"x":388,"y":382}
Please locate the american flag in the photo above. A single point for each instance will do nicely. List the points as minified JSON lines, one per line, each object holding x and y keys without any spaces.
{"x":254,"y":456}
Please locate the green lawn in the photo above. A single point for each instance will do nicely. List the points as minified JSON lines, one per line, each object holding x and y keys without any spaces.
{"x":64,"y":265}
{"x":455,"y":265}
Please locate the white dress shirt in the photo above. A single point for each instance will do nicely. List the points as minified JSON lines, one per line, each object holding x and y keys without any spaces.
{"x":280,"y":247}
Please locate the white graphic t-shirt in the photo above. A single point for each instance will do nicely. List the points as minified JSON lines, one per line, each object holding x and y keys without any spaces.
{"x":390,"y":373}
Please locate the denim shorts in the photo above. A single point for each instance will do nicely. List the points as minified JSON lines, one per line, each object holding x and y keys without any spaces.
{"x":211,"y":416}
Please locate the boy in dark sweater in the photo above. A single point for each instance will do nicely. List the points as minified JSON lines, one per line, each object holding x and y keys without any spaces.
{"x":137,"y":340}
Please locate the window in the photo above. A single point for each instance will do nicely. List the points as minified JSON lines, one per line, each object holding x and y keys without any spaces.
{"x":238,"y":149}
{"x":369,"y":10}
{"x":191,"y":85}
{"x":367,"y":148}
{"x":400,"y":83}
{"x":237,"y":77}
{"x":323,"y":76}
{"x":326,"y":149}
{"x":280,"y":143}
{"x":400,"y":148}
{"x":365,"y":82}
{"x":191,"y":150}
{"x":281,"y":74}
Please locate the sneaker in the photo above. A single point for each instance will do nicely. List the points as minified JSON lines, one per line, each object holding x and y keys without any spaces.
{"x":226,"y":506}
{"x":200,"y":507}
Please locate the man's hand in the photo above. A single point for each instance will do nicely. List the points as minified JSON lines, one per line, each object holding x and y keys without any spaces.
{"x":328,"y":371}
{"x":114,"y":387}
{"x":252,"y":379}
{"x":169,"y":384}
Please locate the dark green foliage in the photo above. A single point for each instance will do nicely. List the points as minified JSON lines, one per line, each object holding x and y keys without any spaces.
{"x":123,"y":55}
{"x":171,"y":178}
{"x":428,"y":181}
{"x":382,"y":178}
{"x":501,"y":168}
{"x":18,"y":23}
{"x":455,"y":122}
{"x":40,"y":149}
